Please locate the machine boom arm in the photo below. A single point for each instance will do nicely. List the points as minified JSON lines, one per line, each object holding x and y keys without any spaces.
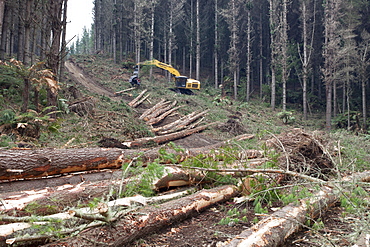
{"x":183,"y":83}
{"x":161,"y":65}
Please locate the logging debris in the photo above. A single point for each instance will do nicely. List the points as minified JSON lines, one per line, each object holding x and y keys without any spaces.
{"x":149,"y":219}
{"x":233,"y":126}
{"x":83,"y":106}
{"x":303,"y":152}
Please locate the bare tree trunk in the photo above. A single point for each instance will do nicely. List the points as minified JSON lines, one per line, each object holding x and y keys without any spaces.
{"x":64,"y":44}
{"x":216,"y":49}
{"x":2,"y":11}
{"x":137,"y":26}
{"x":274,"y":51}
{"x":20,"y":45}
{"x":261,"y":56}
{"x":304,"y":81}
{"x":249,"y":53}
{"x":151,"y":49}
{"x":26,"y":94}
{"x":284,"y":51}
{"x":332,"y":8}
{"x":364,"y":64}
{"x":231,"y":18}
{"x":197,"y":67}
{"x":27,"y":33}
{"x":191,"y":39}
{"x":364,"y":110}
{"x":305,"y":58}
{"x":5,"y":31}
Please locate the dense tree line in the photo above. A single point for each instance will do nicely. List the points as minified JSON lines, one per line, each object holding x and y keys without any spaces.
{"x":32,"y":39}
{"x":310,"y":55}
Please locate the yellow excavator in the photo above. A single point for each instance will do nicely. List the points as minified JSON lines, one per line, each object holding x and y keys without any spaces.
{"x":183,"y":84}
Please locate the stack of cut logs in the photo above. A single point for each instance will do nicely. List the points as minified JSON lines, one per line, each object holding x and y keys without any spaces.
{"x":179,"y":128}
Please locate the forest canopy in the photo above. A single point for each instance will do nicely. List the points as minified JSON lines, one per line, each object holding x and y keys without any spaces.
{"x":305,"y":55}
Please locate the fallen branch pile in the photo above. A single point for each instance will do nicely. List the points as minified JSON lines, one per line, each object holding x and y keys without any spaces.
{"x":180,"y":128}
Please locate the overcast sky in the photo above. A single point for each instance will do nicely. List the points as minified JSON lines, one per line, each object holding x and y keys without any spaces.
{"x":79,"y":15}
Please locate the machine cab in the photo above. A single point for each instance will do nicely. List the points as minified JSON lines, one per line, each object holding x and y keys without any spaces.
{"x":184,"y":82}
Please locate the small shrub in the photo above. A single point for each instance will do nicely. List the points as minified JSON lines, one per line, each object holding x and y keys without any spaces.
{"x":286,"y":116}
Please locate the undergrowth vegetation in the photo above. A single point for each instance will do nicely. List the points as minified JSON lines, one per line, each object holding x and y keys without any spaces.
{"x":115,"y":119}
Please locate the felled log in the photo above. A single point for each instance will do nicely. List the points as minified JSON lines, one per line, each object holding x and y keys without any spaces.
{"x":165,"y":138}
{"x":15,"y":164}
{"x":162,"y":116}
{"x":152,"y":109}
{"x":125,"y":90}
{"x":273,"y":230}
{"x":24,"y":164}
{"x":179,"y":124}
{"x":160,"y":110}
{"x":141,"y":100}
{"x":175,"y":176}
{"x":149,"y":219}
{"x":50,"y":199}
{"x":137,"y":98}
{"x":99,"y":213}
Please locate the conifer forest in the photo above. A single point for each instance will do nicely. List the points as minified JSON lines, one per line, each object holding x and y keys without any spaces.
{"x":305,"y":55}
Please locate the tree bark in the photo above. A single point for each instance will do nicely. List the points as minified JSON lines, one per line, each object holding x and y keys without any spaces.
{"x":2,"y":11}
{"x":165,"y":138}
{"x":15,"y":164}
{"x":166,"y":112}
{"x":134,"y":101}
{"x":23,"y":164}
{"x":272,"y":231}
{"x":149,"y":219}
{"x":152,"y":109}
{"x":198,"y":55}
{"x":97,"y":213}
{"x":162,"y":108}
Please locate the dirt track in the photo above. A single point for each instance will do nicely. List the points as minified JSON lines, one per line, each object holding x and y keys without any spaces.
{"x":79,"y":76}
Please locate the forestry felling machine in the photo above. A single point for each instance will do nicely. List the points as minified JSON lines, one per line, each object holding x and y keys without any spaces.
{"x":183,"y":84}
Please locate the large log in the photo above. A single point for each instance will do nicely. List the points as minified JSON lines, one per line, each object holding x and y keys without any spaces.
{"x":66,"y":195}
{"x":149,"y":219}
{"x":15,"y":164}
{"x":26,"y":164}
{"x":273,"y":230}
{"x":134,"y":101}
{"x":165,"y":138}
{"x":160,"y":110}
{"x":179,"y":124}
{"x":152,"y":109}
{"x":162,"y":116}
